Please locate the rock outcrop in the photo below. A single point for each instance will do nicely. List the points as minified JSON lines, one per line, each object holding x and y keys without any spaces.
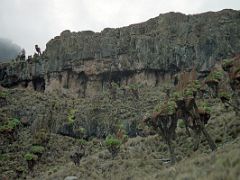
{"x":83,"y":63}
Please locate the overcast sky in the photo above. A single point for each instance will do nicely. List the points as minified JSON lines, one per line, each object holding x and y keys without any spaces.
{"x":30,"y":22}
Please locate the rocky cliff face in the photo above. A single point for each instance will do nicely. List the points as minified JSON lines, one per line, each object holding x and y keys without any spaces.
{"x":83,"y":63}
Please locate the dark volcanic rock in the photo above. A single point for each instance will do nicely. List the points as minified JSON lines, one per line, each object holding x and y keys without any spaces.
{"x":82,"y":63}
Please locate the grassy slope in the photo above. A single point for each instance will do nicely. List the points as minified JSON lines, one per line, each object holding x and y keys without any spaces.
{"x":139,"y":158}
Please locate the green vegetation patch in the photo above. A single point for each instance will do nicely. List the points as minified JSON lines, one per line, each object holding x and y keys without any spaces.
{"x":167,"y":108}
{"x":113,"y":145}
{"x":11,"y":124}
{"x":181,"y":123}
{"x":37,"y":149}
{"x":215,"y":76}
{"x":71,"y":116}
{"x":194,"y":85}
{"x":82,"y":141}
{"x":225,"y":95}
{"x":114,"y":85}
{"x":30,"y":157}
{"x":111,"y":141}
{"x":205,"y":107}
{"x":4,"y":94}
{"x":191,"y":89}
{"x":188,"y":92}
{"x":134,"y":86}
{"x":227,"y":64}
{"x":177,"y":96}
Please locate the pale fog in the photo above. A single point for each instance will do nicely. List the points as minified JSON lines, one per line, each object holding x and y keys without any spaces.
{"x":24,"y":23}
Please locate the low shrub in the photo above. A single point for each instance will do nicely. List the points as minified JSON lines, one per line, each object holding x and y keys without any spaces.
{"x":30,"y":157}
{"x":181,"y":123}
{"x":81,"y":142}
{"x":71,"y":116}
{"x":80,"y":132}
{"x":227,"y":64}
{"x":10,"y":126}
{"x":37,"y":149}
{"x":31,"y":160}
{"x":113,"y":145}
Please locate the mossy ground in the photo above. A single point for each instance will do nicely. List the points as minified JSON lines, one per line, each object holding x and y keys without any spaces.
{"x":139,"y":158}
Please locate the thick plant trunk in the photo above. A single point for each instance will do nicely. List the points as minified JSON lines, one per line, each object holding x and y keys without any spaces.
{"x":187,"y":131}
{"x":236,"y":103}
{"x":209,"y":139}
{"x":197,"y":138}
{"x":171,"y":151}
{"x":167,"y":128}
